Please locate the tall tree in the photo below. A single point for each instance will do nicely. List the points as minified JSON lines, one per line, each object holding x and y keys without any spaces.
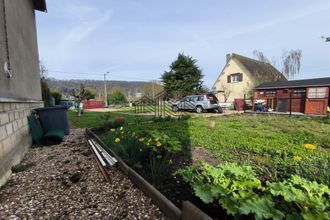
{"x":291,"y":63}
{"x":184,"y":78}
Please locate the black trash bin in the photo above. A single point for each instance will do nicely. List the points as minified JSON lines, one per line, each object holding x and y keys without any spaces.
{"x":54,"y":118}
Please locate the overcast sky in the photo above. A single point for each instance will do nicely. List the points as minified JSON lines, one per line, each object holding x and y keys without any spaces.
{"x":138,"y":39}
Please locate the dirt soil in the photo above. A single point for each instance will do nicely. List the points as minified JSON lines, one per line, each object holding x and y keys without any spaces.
{"x":202,"y":154}
{"x":63,"y":182}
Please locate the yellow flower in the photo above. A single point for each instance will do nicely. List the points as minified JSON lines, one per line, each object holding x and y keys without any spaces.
{"x":141,"y":139}
{"x":158,"y":144}
{"x":310,"y":146}
{"x":117,"y":140}
{"x":112,"y":129}
{"x":297,"y":158}
{"x":157,"y":139}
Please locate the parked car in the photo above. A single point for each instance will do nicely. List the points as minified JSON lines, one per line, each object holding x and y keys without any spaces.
{"x":198,"y":103}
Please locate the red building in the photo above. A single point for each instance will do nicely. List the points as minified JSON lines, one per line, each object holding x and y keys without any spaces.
{"x":309,"y":96}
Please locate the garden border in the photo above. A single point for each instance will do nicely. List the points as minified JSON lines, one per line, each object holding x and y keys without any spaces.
{"x":189,"y":211}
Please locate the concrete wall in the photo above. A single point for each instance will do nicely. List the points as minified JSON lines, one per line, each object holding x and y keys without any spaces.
{"x":23,"y":51}
{"x":21,"y":93}
{"x":238,"y":89}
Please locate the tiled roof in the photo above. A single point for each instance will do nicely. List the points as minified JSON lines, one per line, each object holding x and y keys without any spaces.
{"x":261,"y":70}
{"x":295,"y":83}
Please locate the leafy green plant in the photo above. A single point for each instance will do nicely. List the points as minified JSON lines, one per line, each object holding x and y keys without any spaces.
{"x":240,"y":192}
{"x":22,"y":167}
{"x":301,"y":198}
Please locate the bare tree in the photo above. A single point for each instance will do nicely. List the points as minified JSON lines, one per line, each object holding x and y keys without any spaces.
{"x":226,"y":90}
{"x":260,"y":56}
{"x":151,"y":89}
{"x":291,"y":63}
{"x":43,"y":70}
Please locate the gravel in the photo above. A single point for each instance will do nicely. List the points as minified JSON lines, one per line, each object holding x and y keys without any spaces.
{"x":63,"y":182}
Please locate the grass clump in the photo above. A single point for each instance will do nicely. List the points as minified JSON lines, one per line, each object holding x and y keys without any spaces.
{"x":22,"y":167}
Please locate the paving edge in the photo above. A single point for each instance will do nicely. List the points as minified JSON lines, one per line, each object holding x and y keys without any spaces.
{"x":189,"y":210}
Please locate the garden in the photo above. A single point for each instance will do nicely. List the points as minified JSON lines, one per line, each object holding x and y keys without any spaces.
{"x":261,"y":166}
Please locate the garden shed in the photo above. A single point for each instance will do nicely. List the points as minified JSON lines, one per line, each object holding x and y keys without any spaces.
{"x":308,"y":96}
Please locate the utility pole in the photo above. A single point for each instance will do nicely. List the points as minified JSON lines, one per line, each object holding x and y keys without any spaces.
{"x":105,"y":91}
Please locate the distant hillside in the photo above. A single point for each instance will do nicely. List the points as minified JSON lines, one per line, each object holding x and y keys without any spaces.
{"x":66,"y":86}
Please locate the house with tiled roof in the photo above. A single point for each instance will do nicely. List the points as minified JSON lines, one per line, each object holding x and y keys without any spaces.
{"x":240,"y":75}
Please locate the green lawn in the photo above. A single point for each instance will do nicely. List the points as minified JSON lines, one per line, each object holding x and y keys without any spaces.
{"x":273,"y":145}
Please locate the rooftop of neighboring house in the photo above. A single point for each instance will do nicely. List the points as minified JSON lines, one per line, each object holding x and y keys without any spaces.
{"x":260,"y":69}
{"x":295,"y":83}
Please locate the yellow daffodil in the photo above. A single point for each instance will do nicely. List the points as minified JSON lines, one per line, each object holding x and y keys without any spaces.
{"x":158,"y":144}
{"x":117,"y":140}
{"x":141,"y":139}
{"x":310,"y":146}
{"x":112,"y":130}
{"x":297,"y":158}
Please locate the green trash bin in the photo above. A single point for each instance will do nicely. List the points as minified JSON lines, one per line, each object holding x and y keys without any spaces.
{"x":54,"y":118}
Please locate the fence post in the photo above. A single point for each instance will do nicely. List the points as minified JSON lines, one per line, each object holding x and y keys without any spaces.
{"x":290,"y":103}
{"x":244,"y":105}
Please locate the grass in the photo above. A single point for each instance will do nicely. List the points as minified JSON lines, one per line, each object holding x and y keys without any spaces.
{"x":94,"y":119}
{"x":268,"y":143}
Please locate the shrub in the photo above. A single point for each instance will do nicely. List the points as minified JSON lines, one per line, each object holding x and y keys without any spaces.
{"x":237,"y":189}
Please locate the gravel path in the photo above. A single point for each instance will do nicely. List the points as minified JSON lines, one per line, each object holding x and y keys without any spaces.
{"x":63,"y":182}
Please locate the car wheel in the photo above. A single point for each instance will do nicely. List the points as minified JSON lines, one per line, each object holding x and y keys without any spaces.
{"x":175,"y":108}
{"x":218,"y":110}
{"x":199,"y":109}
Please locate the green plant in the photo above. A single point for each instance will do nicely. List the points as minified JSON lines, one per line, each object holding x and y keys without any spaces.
{"x":130,"y":149}
{"x":159,"y":168}
{"x":51,"y":156}
{"x":301,"y":198}
{"x":240,"y":192}
{"x":22,"y":167}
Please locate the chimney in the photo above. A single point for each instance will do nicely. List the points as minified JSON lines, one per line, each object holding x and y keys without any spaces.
{"x":228,"y":57}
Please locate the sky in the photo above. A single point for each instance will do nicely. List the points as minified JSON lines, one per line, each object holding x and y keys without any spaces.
{"x":136,"y":40}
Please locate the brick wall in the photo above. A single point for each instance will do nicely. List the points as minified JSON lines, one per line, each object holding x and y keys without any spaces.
{"x":14,"y":134}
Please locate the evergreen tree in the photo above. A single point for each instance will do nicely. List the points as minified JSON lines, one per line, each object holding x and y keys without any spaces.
{"x":184,"y":78}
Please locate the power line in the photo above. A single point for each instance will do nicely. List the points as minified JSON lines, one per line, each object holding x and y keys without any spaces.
{"x":98,"y":74}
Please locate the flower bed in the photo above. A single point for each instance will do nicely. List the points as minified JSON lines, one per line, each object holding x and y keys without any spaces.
{"x":278,"y":156}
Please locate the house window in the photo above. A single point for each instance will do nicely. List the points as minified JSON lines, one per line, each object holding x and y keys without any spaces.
{"x":236,"y":77}
{"x":270,"y":93}
{"x":299,"y":92}
{"x":317,"y":93}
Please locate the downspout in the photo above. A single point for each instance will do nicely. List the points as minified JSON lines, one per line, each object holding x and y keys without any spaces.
{"x":7,"y":66}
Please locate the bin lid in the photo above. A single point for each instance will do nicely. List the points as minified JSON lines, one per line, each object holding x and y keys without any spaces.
{"x":59,"y":107}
